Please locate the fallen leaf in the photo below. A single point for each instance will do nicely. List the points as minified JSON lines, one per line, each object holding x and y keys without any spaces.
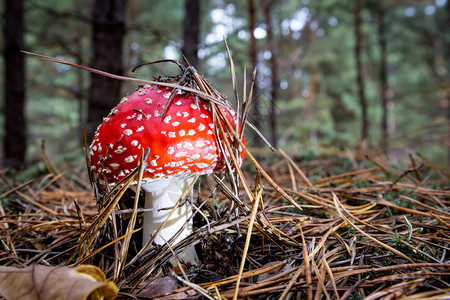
{"x":54,"y":283}
{"x":158,"y":286}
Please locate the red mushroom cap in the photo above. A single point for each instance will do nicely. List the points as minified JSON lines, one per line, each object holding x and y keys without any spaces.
{"x":182,"y":142}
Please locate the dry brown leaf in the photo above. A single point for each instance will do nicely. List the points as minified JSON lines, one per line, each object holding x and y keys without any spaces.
{"x":53,"y":283}
{"x":159,"y":286}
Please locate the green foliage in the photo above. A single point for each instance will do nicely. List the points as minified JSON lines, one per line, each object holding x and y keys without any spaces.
{"x":317,"y":105}
{"x":355,"y":296}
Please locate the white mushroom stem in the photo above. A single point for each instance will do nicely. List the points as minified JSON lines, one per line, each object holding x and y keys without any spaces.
{"x":160,"y":196}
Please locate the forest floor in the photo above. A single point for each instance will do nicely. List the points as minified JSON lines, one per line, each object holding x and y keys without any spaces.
{"x":366,"y":230}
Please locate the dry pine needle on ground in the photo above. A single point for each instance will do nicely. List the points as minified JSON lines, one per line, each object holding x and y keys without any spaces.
{"x":369,"y":233}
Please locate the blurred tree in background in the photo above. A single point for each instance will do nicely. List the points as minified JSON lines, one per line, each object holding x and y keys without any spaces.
{"x":108,"y":30}
{"x":14,"y":100}
{"x":332,"y":75}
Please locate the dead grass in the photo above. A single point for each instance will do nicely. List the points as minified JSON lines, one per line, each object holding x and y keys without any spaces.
{"x":368,"y":233}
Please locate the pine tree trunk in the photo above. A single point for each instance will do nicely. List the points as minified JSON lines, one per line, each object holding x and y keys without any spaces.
{"x":274,"y":74}
{"x":191,"y":31}
{"x":255,"y":113}
{"x":447,"y":58}
{"x":383,"y":76}
{"x":108,"y":30}
{"x":359,"y":71}
{"x":14,"y":110}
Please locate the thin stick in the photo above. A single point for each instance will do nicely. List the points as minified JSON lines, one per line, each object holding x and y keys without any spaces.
{"x":257,"y":165}
{"x":126,"y":243}
{"x":247,"y":241}
{"x":387,"y":247}
{"x":300,"y":172}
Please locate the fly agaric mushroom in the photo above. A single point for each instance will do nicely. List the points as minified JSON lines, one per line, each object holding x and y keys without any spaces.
{"x":182,"y":143}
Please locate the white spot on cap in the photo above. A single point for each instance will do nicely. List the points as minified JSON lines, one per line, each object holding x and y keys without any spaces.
{"x":170,"y":150}
{"x":141,"y":92}
{"x":174,"y":164}
{"x":178,"y":114}
{"x":167,"y":119}
{"x":129,"y":159}
{"x":203,"y":116}
{"x":139,"y":117}
{"x":106,"y":119}
{"x":182,"y":132}
{"x":211,"y":125}
{"x":94,"y":148}
{"x":121,"y":173}
{"x":201,"y":165}
{"x":178,"y":102}
{"x":115,"y":166}
{"x":188,"y":146}
{"x":185,"y":114}
{"x":128,"y":132}
{"x":134,"y":143}
{"x":194,"y":106}
{"x":106,"y":170}
{"x":210,"y":132}
{"x":166,"y":95}
{"x":123,"y":125}
{"x":201,"y":127}
{"x":191,"y":132}
{"x":123,"y":99}
{"x":148,"y":100}
{"x":210,"y":156}
{"x":147,"y":86}
{"x":131,"y":116}
{"x":196,"y":156}
{"x":180,"y":154}
{"x":172,"y":134}
{"x":140,"y":129}
{"x":114,"y":111}
{"x":199,"y":143}
{"x":120,"y":149}
{"x":156,"y":113}
{"x":153,"y":162}
{"x":192,"y":120}
{"x":175,"y":124}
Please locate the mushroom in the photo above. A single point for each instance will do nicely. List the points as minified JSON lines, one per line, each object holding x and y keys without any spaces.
{"x":182,"y":143}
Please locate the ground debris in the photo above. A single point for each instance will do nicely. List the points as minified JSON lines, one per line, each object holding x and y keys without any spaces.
{"x":369,"y":232}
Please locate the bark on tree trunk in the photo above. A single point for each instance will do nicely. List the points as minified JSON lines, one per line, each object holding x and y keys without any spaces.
{"x":108,"y":30}
{"x":274,"y":74}
{"x":359,"y":71}
{"x":255,"y":113}
{"x":191,"y":31}
{"x":15,"y":123}
{"x":447,"y":57}
{"x":383,"y":76}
